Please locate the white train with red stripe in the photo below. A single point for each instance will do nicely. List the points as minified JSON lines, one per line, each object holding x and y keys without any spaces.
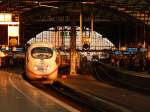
{"x":41,"y":62}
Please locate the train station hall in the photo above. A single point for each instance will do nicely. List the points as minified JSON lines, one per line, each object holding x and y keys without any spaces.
{"x":74,"y":55}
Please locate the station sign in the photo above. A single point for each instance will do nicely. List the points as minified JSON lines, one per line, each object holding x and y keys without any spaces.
{"x":65,"y":34}
{"x":13,"y":30}
{"x":5,"y":17}
{"x":117,"y":52}
{"x":13,"y":35}
{"x":143,"y":49}
{"x":9,"y":30}
{"x":132,"y":49}
{"x":126,"y":52}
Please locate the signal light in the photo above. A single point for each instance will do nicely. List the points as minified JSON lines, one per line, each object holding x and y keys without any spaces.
{"x":64,"y":76}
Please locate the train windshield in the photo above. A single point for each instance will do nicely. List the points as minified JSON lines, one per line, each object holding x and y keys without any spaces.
{"x":42,"y":52}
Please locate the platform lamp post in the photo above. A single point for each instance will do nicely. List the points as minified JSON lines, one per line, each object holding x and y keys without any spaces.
{"x":144,"y":42}
{"x":144,"y":32}
{"x":92,"y":26}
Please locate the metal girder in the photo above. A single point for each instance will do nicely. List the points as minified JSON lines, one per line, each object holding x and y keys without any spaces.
{"x":105,"y":11}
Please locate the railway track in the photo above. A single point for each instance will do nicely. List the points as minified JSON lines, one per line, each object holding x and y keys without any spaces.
{"x":81,"y":98}
{"x":82,"y":101}
{"x":64,"y":94}
{"x":119,"y":79}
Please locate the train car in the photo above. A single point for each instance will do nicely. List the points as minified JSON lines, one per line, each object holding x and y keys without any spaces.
{"x":40,"y":62}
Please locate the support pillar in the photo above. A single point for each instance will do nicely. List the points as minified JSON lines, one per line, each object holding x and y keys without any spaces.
{"x":144,"y":32}
{"x":92,"y":26}
{"x":81,"y":32}
{"x":73,"y":49}
{"x":148,"y":52}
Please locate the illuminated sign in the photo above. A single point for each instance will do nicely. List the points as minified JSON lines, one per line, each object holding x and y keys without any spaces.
{"x":143,"y":49}
{"x":132,"y":49}
{"x":65,"y":34}
{"x":126,"y":52}
{"x":13,"y":31}
{"x":117,"y":52}
{"x":5,"y":17}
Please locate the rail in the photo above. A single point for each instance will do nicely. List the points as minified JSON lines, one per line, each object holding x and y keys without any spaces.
{"x":115,"y":76}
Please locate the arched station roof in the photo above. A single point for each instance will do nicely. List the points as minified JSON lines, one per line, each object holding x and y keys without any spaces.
{"x":127,"y":21}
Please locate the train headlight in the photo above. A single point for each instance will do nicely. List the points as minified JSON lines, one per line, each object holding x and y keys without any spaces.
{"x":35,"y":68}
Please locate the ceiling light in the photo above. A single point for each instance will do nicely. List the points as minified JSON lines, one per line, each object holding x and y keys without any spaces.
{"x":88,"y":3}
{"x":48,"y":6}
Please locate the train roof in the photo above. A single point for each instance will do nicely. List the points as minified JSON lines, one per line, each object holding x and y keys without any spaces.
{"x":40,"y":44}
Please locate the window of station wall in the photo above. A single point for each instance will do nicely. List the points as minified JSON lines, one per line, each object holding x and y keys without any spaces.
{"x":60,"y":38}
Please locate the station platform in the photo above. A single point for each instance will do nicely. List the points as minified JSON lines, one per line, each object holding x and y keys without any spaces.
{"x":17,"y":95}
{"x":104,"y":94}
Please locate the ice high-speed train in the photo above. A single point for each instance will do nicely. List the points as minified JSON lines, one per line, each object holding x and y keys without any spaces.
{"x":40,"y":62}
